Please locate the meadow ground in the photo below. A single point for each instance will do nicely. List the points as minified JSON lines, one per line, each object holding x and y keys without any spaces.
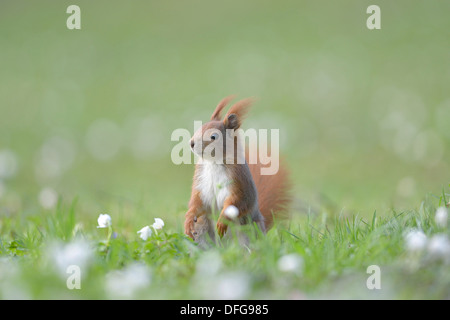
{"x":392,"y":255}
{"x":86,"y":118}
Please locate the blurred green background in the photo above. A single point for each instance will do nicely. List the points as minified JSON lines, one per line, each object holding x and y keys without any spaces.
{"x":364,"y":115}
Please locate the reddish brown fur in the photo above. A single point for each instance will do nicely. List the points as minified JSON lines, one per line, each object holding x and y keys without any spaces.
{"x":273,"y":192}
{"x":243,"y":194}
{"x":240,"y":109}
{"x":222,"y":104}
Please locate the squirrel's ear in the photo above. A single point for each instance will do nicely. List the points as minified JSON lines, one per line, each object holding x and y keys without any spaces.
{"x":231,"y":122}
{"x":236,"y":114}
{"x":222,"y":104}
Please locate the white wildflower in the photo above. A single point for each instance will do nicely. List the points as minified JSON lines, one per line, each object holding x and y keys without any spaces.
{"x":291,"y":263}
{"x":415,"y":240}
{"x":145,"y":233}
{"x":48,"y":198}
{"x":159,"y":224}
{"x":231,"y":286}
{"x":441,"y":217}
{"x":63,"y":255}
{"x":207,"y":272}
{"x":208,"y":265}
{"x":104,"y":221}
{"x":231,"y":212}
{"x":127,"y":282}
{"x":439,"y":246}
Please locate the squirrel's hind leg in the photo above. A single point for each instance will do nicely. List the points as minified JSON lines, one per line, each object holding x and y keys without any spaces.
{"x":204,"y":232}
{"x":258,"y":218}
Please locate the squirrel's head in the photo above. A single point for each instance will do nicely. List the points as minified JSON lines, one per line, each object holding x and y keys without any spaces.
{"x":211,"y":140}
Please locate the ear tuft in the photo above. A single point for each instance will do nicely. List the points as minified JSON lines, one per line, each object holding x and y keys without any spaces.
{"x":237,"y":112}
{"x":222,"y":104}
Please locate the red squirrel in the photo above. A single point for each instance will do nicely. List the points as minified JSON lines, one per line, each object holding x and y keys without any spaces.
{"x":218,"y":185}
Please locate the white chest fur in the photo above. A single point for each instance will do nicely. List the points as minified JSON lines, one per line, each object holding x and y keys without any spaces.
{"x":213,"y":183}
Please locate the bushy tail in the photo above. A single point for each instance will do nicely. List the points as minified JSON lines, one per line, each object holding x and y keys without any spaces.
{"x":273,"y":192}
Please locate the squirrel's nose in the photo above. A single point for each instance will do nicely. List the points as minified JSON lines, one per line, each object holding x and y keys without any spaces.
{"x":192,"y":144}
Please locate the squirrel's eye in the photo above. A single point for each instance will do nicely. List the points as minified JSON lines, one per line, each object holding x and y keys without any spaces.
{"x":214,"y":136}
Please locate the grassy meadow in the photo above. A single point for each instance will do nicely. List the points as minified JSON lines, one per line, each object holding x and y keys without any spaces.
{"x":86,"y":118}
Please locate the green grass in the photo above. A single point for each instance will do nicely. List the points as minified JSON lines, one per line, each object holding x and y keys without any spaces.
{"x":334,"y":253}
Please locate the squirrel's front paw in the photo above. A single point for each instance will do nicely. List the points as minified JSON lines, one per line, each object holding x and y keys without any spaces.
{"x":189,"y":225}
{"x":221,"y":228}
